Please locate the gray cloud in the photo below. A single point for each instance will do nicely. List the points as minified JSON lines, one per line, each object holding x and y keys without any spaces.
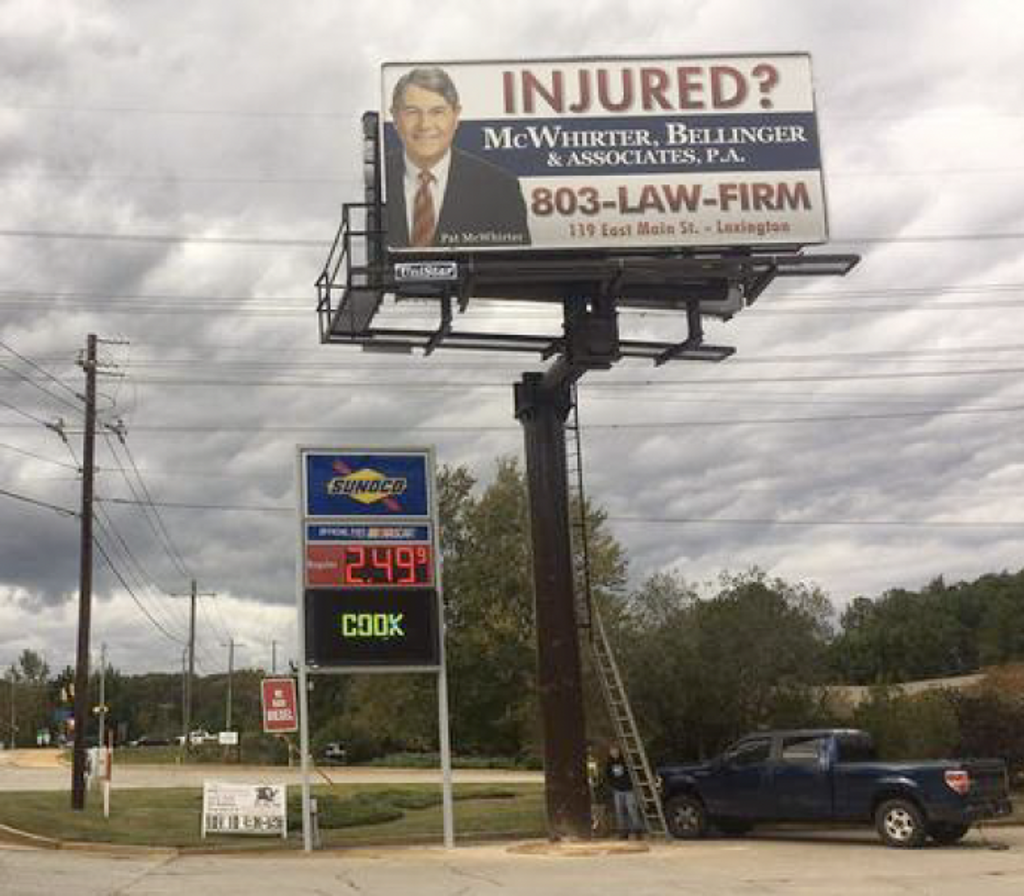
{"x":227,"y":120}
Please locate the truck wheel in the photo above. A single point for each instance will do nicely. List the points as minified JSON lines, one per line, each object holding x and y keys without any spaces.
{"x":946,"y":834}
{"x":900,"y":823}
{"x":686,"y":817}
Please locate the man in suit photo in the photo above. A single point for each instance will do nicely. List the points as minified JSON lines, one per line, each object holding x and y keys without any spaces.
{"x":439,"y":195}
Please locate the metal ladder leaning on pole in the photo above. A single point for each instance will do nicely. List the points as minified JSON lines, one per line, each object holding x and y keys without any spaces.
{"x":612,"y":687}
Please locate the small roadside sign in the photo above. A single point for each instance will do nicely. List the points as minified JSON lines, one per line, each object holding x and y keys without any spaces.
{"x":244,"y":809}
{"x":280,"y":705}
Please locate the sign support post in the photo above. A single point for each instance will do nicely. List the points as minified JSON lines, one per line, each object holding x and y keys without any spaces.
{"x":300,"y":634}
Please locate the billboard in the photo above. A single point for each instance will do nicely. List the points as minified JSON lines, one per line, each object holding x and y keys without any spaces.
{"x":615,"y":154}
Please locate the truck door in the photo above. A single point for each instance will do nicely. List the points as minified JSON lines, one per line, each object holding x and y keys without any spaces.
{"x":738,"y":787}
{"x":801,"y":779}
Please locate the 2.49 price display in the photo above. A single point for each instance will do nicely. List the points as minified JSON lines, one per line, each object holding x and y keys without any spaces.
{"x":356,"y":565}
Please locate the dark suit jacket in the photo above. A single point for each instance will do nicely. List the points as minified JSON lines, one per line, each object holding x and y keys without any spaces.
{"x":482,"y":206}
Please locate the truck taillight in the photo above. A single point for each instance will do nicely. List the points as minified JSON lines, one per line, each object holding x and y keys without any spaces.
{"x":958,"y":781}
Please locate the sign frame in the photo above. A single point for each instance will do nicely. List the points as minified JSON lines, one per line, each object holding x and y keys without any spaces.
{"x":305,"y":520}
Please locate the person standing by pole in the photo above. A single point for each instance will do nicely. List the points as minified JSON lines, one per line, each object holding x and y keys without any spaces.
{"x":627,"y":813}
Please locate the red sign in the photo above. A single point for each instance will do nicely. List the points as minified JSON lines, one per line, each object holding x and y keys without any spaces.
{"x":280,"y":705}
{"x":375,"y":565}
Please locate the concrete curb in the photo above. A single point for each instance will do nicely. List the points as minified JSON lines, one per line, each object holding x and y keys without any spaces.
{"x":24,"y":838}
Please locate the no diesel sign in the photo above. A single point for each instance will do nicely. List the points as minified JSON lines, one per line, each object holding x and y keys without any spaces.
{"x":371,"y":627}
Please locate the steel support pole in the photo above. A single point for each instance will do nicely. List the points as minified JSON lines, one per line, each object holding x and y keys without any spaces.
{"x":542,"y":404}
{"x":84,"y":581}
{"x":190,"y":679}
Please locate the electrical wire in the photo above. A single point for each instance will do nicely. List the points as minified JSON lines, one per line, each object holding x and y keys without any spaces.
{"x":606,"y":427}
{"x":64,"y":511}
{"x":292,"y":242}
{"x":48,"y":460}
{"x":38,"y":420}
{"x":143,"y":499}
{"x":50,"y":376}
{"x":133,"y":595}
{"x":765,"y":521}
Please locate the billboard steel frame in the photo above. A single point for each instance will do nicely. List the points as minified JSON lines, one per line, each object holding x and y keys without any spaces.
{"x":590,"y":287}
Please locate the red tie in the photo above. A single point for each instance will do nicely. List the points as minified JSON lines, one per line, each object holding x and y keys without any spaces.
{"x":423,"y":221}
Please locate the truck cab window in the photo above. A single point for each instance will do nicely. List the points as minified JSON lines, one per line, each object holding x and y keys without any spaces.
{"x":749,"y":752}
{"x":803,"y":749}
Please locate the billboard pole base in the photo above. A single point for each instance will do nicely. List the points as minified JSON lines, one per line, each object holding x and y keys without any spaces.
{"x":542,"y":404}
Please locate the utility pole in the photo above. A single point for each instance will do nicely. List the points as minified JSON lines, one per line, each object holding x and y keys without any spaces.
{"x":14,"y":718}
{"x":184,"y":697}
{"x":231,"y":645}
{"x":189,"y":678}
{"x":85,"y":579}
{"x":273,"y":657}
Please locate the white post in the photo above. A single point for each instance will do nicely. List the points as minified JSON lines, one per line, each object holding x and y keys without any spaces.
{"x":307,"y":809}
{"x":300,"y":630}
{"x":447,"y":812}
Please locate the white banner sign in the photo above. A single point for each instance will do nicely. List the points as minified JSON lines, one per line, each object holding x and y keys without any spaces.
{"x":607,"y":153}
{"x":244,"y":809}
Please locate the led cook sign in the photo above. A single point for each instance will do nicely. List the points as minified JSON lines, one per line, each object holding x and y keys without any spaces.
{"x":357,"y":565}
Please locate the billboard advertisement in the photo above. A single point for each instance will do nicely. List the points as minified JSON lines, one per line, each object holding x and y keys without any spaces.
{"x":614,"y":154}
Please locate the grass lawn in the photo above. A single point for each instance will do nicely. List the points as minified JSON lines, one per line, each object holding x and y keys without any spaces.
{"x":350,"y":814}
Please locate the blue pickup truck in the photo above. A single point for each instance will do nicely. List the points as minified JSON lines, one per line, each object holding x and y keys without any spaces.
{"x":832,"y":775}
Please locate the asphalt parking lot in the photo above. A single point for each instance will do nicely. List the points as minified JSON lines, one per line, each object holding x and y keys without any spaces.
{"x":837,"y":863}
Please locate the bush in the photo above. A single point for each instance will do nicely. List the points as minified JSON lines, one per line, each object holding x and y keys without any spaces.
{"x":379,"y":807}
{"x":922,"y":726}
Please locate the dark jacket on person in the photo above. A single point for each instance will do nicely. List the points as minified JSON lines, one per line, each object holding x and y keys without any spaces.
{"x":482,"y":205}
{"x":616,"y":773}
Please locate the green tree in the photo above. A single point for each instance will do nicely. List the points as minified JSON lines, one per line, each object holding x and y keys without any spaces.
{"x":705,"y":670}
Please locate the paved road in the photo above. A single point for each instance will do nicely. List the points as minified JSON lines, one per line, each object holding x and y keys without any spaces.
{"x":831,"y":864}
{"x":42,"y":770}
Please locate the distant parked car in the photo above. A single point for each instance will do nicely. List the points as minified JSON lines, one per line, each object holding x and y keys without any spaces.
{"x":334,"y":752}
{"x":197,"y":737}
{"x":148,"y":741}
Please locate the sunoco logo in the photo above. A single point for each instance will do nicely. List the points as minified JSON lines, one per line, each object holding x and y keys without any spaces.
{"x":367,"y":486}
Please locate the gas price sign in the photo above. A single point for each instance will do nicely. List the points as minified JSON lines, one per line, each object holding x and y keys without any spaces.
{"x":369,"y":557}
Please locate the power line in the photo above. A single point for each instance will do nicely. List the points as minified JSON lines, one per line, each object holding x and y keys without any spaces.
{"x":154,"y":110}
{"x":64,"y":511}
{"x":48,"y":460}
{"x":35,"y":366}
{"x":138,"y":572}
{"x":765,"y":521}
{"x":27,"y":379}
{"x":108,"y":236}
{"x":769,"y":521}
{"x":132,"y":594}
{"x":144,"y":499}
{"x":111,"y":236}
{"x":631,"y":425}
{"x":28,"y":416}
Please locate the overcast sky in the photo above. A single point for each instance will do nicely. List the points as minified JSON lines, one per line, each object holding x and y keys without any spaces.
{"x":867,"y":434}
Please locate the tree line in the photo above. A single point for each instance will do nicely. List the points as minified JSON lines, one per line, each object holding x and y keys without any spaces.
{"x":704,"y":663}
